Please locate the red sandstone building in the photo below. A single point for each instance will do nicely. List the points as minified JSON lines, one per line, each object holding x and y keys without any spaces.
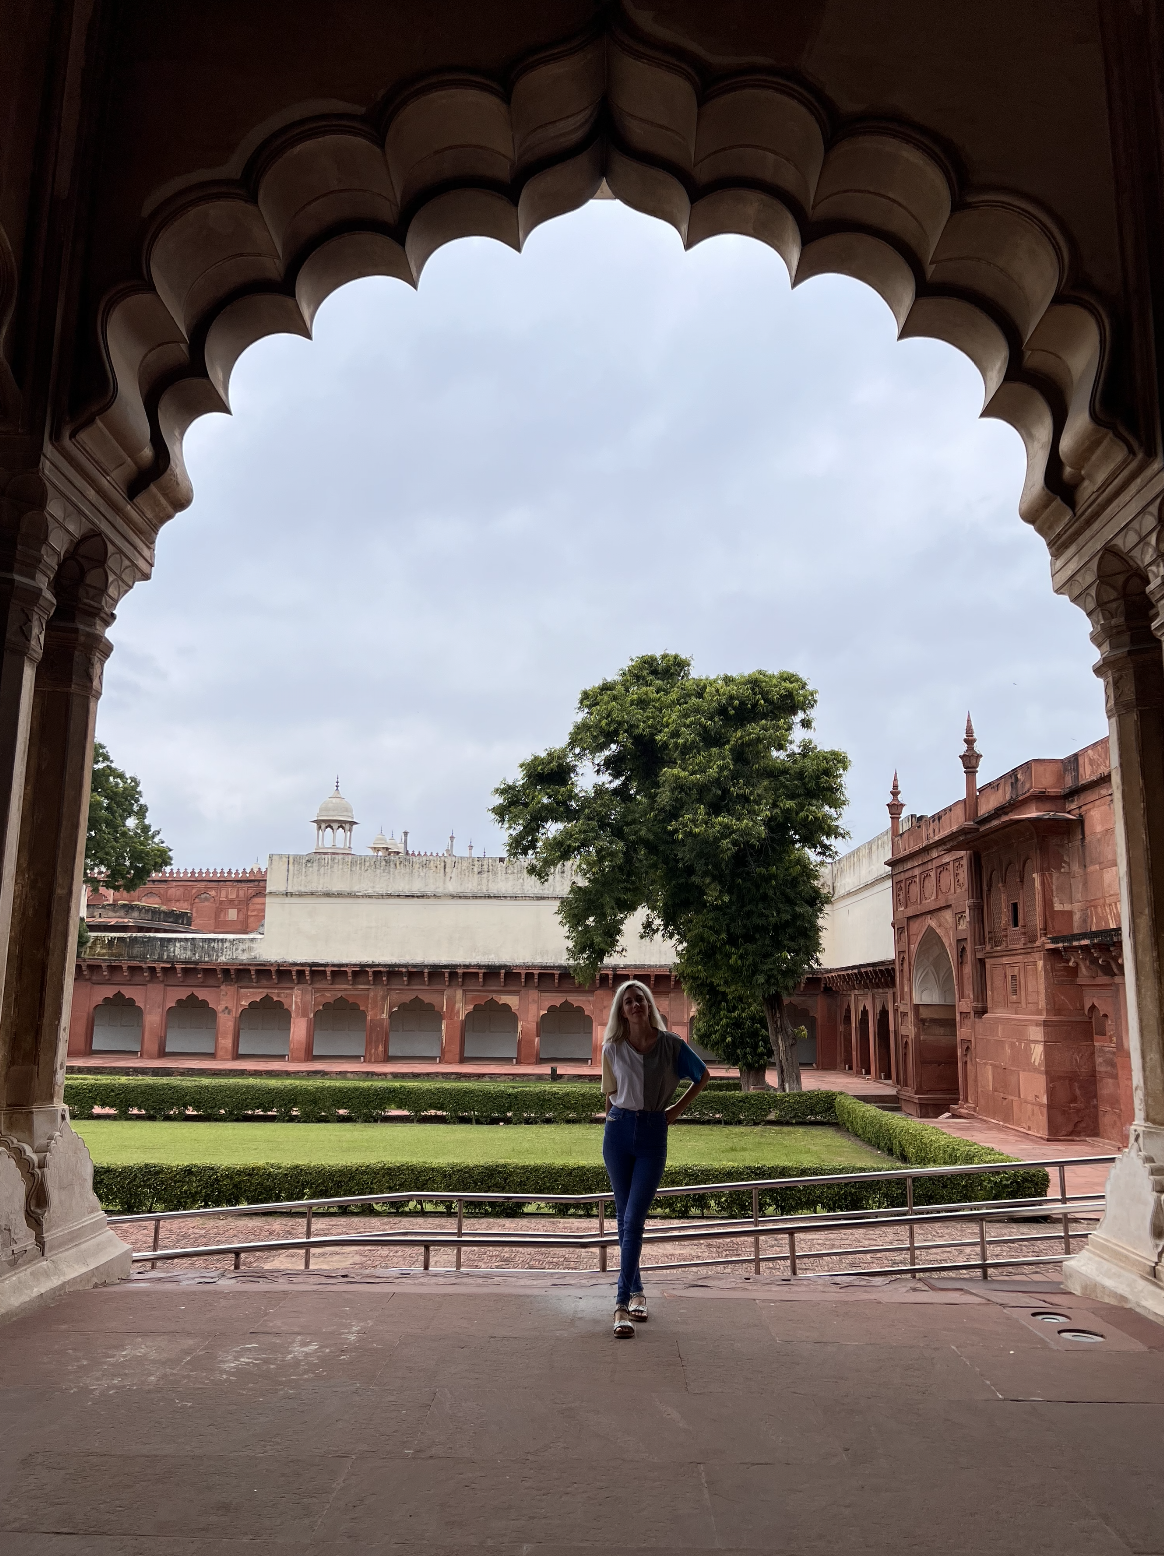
{"x":1002,"y":992}
{"x":1009,"y":959}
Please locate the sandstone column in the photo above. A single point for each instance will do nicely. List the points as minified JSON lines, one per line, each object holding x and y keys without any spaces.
{"x":47,"y":713}
{"x":1124,"y":1260}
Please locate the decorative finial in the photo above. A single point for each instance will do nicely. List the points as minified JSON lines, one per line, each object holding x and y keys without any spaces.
{"x":971,"y":757}
{"x":337,"y":783}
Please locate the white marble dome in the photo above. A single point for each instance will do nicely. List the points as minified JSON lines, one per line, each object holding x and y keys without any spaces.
{"x":335,"y":808}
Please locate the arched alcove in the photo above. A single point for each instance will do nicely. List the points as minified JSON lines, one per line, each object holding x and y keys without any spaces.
{"x":491,"y":1032}
{"x":798,"y":1016}
{"x":414,"y":1031}
{"x":884,"y":1063}
{"x":565,"y":1032}
{"x":864,"y":1058}
{"x":339,"y":1031}
{"x":191,"y":1026}
{"x":203,"y":911}
{"x":117,"y":1026}
{"x":933,"y":973}
{"x":847,"y":1038}
{"x":264,"y":1030}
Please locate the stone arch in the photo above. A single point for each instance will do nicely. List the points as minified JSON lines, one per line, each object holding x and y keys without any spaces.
{"x":883,"y":1064}
{"x":847,"y":1055}
{"x":264,"y":1030}
{"x":799,"y":1016}
{"x":565,"y":1031}
{"x":339,"y":1030}
{"x":1099,"y":1026}
{"x":933,"y":972}
{"x":1030,"y":902}
{"x":203,"y":911}
{"x":191,"y":1027}
{"x":864,"y":1053}
{"x":325,"y":200}
{"x":415,"y":1029}
{"x":491,"y":1031}
{"x":117,"y":1025}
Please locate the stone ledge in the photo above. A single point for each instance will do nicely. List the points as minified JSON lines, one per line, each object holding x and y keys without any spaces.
{"x":102,"y":1260}
{"x":1090,"y":1274}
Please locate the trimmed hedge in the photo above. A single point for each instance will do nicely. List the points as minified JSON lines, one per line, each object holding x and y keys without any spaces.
{"x":141,"y":1187}
{"x":326,"y":1101}
{"x":921,"y":1145}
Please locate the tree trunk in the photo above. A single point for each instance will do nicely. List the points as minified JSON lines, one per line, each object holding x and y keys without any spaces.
{"x":783,"y":1044}
{"x":754,"y":1080}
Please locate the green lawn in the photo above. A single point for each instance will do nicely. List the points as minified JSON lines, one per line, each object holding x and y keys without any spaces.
{"x":113,"y":1143}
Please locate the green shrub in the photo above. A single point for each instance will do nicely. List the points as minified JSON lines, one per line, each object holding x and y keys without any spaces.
{"x":316,"y":1100}
{"x":921,"y":1145}
{"x":142,"y":1187}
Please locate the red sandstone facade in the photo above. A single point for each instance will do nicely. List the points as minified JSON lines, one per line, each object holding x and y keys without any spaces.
{"x":451,"y":1000}
{"x":1009,"y":961}
{"x":220,"y":902}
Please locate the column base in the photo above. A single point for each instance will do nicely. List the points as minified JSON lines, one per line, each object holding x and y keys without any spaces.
{"x":1123,"y":1262}
{"x":101,"y":1260}
{"x":54,"y":1236}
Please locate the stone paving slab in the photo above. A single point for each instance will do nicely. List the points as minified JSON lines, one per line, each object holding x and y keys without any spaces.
{"x":399,"y":1413}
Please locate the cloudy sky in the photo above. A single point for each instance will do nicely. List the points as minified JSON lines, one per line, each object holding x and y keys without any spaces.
{"x":423,"y":532}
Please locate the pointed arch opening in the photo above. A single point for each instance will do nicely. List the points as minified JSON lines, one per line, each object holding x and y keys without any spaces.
{"x":415,"y":1030}
{"x":491,"y":1032}
{"x":117,"y":1025}
{"x":264,"y":1030}
{"x":566,"y":1032}
{"x":339,"y":1030}
{"x":191,"y":1027}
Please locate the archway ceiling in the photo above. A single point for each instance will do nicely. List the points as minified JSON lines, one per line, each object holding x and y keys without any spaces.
{"x":330,"y":196}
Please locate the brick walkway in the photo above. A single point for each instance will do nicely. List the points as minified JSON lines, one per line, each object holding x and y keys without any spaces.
{"x":265,"y":1415}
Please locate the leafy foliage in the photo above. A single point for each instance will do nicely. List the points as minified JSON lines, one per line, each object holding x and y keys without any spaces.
{"x":702,"y":801}
{"x":122,"y":850}
{"x":325,"y":1101}
{"x":144,"y":1186}
{"x":732,"y":1026}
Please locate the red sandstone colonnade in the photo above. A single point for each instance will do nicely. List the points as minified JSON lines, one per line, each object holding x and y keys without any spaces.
{"x":525,"y":1016}
{"x":177,"y":182}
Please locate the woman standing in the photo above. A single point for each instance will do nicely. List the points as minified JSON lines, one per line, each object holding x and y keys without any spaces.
{"x":642,"y":1063}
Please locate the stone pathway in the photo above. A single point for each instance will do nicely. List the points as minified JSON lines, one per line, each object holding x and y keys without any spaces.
{"x":265,"y":1415}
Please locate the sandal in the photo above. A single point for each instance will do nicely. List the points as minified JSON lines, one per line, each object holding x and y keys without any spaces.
{"x":623,"y":1328}
{"x":638,"y":1307}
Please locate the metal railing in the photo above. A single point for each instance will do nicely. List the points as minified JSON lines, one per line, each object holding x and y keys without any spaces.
{"x":784,"y":1228}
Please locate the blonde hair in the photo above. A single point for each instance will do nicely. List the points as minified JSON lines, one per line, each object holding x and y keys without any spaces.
{"x":617,"y":1026}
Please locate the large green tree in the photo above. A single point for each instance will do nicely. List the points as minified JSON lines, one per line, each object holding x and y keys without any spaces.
{"x":122,"y":850}
{"x":701,"y":800}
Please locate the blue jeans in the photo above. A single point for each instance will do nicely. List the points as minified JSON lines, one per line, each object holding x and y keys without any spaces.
{"x":634,"y":1148}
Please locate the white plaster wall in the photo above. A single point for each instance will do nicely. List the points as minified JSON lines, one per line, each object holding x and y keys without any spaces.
{"x":858,"y":923}
{"x":416,"y":909}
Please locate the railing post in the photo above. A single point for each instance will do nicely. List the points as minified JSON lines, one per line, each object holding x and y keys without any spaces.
{"x":307,"y":1234}
{"x":756,"y":1222}
{"x":1066,"y":1213}
{"x":157,"y":1240}
{"x":427,"y":1248}
{"x":602,"y":1233}
{"x":909,"y":1212}
{"x":982,"y":1246}
{"x":791,"y":1253}
{"x":460,"y":1228}
{"x":238,"y":1259}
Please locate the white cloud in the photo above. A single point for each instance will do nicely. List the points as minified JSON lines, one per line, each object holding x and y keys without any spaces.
{"x":421,"y":534}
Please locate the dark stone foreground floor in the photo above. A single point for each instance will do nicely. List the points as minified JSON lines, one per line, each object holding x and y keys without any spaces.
{"x":405,"y":1413}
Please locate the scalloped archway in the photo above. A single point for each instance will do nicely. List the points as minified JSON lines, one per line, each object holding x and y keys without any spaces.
{"x":329,"y":198}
